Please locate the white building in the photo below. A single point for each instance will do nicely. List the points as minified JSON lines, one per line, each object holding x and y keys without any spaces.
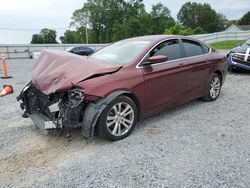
{"x":238,"y":28}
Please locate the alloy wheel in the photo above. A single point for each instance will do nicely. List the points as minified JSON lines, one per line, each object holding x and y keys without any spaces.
{"x":120,"y":119}
{"x":215,"y":87}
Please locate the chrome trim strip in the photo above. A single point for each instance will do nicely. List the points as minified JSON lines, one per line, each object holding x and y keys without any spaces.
{"x":138,"y":67}
{"x":247,"y":54}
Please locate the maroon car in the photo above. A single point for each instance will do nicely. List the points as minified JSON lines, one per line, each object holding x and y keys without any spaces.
{"x":109,"y":91}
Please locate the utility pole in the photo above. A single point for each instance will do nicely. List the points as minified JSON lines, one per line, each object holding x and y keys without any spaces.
{"x":86,"y":27}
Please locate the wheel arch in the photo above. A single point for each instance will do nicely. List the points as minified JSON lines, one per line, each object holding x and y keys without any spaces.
{"x":94,"y":110}
{"x":136,"y":101}
{"x":220,"y":74}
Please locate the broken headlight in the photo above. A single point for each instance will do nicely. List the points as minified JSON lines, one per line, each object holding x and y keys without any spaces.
{"x":76,"y":97}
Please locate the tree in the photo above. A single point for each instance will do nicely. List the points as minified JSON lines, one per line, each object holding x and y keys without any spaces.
{"x":68,"y":38}
{"x":37,"y":39}
{"x":46,"y":36}
{"x":201,"y":15}
{"x":178,"y":29}
{"x":245,"y":19}
{"x":160,"y":19}
{"x":71,"y":37}
{"x":49,"y":36}
{"x":133,"y":23}
{"x":101,"y":15}
{"x":111,"y":20}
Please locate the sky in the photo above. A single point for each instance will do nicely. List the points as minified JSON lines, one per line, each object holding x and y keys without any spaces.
{"x":38,"y":14}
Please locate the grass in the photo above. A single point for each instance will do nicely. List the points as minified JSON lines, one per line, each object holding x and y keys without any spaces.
{"x":226,"y":45}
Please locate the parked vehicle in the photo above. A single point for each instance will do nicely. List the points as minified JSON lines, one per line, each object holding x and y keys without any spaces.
{"x":239,"y":57}
{"x":81,"y":50}
{"x":108,"y":92}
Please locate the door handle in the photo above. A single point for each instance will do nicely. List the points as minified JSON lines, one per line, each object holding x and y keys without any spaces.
{"x":181,"y":64}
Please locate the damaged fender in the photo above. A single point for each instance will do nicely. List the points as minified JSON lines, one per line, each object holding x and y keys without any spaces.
{"x":93,"y":112}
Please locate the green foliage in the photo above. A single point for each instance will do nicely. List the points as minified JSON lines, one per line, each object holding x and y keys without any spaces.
{"x":160,"y":19}
{"x":112,"y":20}
{"x":37,"y":39}
{"x":46,"y":36}
{"x":178,"y":29}
{"x":245,"y":20}
{"x":71,"y":37}
{"x":198,"y":30}
{"x":201,"y":15}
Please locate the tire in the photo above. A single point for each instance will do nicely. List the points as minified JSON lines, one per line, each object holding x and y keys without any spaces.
{"x":118,"y":119}
{"x":213,"y":88}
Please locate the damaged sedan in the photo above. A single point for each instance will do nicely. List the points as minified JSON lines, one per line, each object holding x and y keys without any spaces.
{"x":108,"y":92}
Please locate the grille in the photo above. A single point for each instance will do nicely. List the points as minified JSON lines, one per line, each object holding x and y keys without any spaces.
{"x":240,"y":58}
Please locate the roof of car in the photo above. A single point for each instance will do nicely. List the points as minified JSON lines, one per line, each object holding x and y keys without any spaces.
{"x":158,"y":37}
{"x":151,"y":37}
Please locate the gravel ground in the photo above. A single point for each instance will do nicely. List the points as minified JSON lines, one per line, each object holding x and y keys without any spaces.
{"x":199,"y":144}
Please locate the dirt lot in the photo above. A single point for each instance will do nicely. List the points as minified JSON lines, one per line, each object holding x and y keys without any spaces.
{"x":196,"y":145}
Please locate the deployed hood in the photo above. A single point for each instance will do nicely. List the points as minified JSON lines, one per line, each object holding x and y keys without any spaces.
{"x":58,"y":70}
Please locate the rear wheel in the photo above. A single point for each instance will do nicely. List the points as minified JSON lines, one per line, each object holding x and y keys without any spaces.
{"x":118,"y":119}
{"x":214,"y":87}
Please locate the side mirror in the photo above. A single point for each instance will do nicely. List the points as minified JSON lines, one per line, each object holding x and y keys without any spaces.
{"x":237,"y":45}
{"x":156,"y":59}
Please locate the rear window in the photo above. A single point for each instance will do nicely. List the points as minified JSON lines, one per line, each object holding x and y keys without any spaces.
{"x":205,"y":49}
{"x":169,"y":48}
{"x":192,"y":48}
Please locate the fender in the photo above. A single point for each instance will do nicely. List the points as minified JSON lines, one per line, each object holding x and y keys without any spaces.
{"x":93,"y":112}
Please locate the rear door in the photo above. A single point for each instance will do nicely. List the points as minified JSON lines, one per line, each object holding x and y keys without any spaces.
{"x":166,"y":82}
{"x":198,"y":74}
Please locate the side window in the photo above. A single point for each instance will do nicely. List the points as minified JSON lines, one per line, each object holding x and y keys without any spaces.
{"x":170,"y":48}
{"x":205,"y":49}
{"x":192,"y":48}
{"x":76,"y":49}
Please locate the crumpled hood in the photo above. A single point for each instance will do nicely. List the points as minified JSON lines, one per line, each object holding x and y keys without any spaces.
{"x":58,"y":70}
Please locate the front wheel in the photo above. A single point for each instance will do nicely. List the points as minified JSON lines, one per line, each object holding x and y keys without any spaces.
{"x":214,"y":87}
{"x":118,"y":119}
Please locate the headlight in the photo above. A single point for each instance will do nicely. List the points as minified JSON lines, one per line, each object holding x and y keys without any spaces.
{"x":229,"y":53}
{"x":76,"y":97}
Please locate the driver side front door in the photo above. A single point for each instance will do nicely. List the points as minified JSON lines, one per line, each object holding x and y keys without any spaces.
{"x":165,"y":83}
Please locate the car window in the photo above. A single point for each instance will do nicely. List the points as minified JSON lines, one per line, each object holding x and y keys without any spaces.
{"x":170,"y":48}
{"x":205,"y":49}
{"x":87,"y":50}
{"x":122,"y":52}
{"x":84,"y":49}
{"x":76,"y":49}
{"x":192,"y":48}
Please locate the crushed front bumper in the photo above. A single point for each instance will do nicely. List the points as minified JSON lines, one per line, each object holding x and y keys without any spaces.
{"x":55,"y":111}
{"x":42,"y":122}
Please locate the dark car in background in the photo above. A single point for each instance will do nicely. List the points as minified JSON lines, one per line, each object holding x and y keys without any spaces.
{"x":239,"y":57}
{"x":108,"y":92}
{"x":81,"y":50}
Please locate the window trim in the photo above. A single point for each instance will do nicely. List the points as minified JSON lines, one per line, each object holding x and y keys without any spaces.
{"x":139,"y":65}
{"x":179,"y":44}
{"x":195,"y":43}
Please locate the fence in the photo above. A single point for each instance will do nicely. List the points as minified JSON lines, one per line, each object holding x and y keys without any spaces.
{"x":25,"y":51}
{"x":222,"y":36}
{"x":16,"y":51}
